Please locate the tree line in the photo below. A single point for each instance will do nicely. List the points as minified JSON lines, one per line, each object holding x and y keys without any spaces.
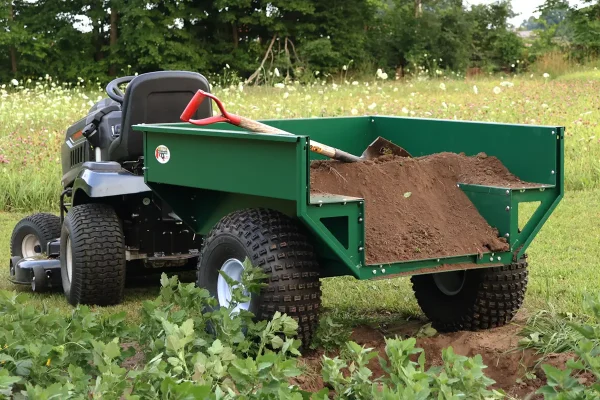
{"x":92,"y":39}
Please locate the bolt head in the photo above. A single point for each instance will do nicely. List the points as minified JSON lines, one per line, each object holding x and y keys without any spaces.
{"x":374,"y":272}
{"x":507,"y":208}
{"x":507,"y":191}
{"x":491,"y":258}
{"x":360,"y":220}
{"x":552,"y":172}
{"x":554,"y":132}
{"x":499,"y":258}
{"x":507,"y":235}
{"x":360,"y":248}
{"x":383,"y":271}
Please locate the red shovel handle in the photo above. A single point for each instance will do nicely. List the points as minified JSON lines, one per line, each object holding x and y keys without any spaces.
{"x":195,"y":102}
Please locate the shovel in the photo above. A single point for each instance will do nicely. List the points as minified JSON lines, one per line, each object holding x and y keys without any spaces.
{"x":379,"y":147}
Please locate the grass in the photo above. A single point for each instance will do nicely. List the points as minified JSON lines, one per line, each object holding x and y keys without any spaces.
{"x":563,"y":257}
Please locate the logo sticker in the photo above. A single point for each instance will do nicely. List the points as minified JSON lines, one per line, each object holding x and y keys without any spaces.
{"x":162,"y":154}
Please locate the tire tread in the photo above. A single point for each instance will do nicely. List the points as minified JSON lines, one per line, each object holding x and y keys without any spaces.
{"x":98,"y":255}
{"x":278,"y":246}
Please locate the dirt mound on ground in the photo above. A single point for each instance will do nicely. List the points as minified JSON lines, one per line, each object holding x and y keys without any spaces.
{"x":497,"y":347}
{"x":413,"y":207}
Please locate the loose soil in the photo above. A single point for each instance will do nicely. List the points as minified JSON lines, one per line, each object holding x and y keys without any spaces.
{"x":414,"y":208}
{"x":506,"y":365}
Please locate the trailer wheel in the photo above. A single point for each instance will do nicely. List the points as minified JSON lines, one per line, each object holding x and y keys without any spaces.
{"x":92,"y":256}
{"x":473,"y":299}
{"x":275,"y":243}
{"x":31,"y":235}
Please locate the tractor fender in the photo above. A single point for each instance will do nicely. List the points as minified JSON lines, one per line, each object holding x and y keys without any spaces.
{"x":106,"y":179}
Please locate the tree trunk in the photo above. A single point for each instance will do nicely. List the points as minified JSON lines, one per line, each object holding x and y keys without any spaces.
{"x":418,"y":8}
{"x":236,"y":37}
{"x":113,"y":38}
{"x":95,"y":14}
{"x":13,"y":51}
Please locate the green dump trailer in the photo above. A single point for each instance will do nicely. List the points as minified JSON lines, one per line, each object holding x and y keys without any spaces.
{"x":248,"y":195}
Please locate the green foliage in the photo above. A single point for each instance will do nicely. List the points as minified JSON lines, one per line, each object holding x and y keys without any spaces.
{"x":188,"y":348}
{"x":99,"y":39}
{"x":330,"y":335}
{"x":550,"y":332}
{"x":459,"y":377}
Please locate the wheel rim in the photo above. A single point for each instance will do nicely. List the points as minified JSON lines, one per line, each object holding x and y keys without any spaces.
{"x":28,"y":246}
{"x":450,"y":283}
{"x":69,"y":260}
{"x":233,"y":268}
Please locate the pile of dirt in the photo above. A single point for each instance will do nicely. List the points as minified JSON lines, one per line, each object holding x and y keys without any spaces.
{"x":517,"y":372}
{"x":414,"y":208}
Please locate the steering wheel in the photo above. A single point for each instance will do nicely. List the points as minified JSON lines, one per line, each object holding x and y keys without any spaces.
{"x":113,"y":91}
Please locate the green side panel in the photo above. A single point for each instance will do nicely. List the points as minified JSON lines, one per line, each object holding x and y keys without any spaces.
{"x":529,"y":152}
{"x":258,"y":165}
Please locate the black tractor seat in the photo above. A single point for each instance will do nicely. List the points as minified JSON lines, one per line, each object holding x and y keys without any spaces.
{"x":155,"y":97}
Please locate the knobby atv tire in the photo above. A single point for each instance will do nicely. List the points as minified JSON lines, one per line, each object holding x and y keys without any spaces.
{"x":489,"y":298}
{"x":275,"y":243}
{"x":46,"y":227}
{"x":98,"y":255}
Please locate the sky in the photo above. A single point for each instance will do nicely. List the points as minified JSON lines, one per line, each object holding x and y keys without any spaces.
{"x":524,"y":7}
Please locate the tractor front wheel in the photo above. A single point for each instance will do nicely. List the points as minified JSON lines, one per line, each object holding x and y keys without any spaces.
{"x":92,"y":256}
{"x":473,"y":299}
{"x":271,"y":241}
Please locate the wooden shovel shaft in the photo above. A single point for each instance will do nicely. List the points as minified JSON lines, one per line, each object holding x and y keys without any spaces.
{"x":317,"y":147}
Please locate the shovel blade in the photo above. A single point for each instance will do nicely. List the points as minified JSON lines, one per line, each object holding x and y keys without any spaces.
{"x":381,"y":147}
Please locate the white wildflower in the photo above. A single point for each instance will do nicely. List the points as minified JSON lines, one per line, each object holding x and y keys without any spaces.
{"x":507,"y":84}
{"x":372,"y":106}
{"x":442,"y":86}
{"x":497,"y":90}
{"x":475,"y":90}
{"x":354,"y":111}
{"x":345,"y":67}
{"x":405,"y":110}
{"x":279,"y":85}
{"x":276,"y":72}
{"x":395,"y":89}
{"x":354,"y":83}
{"x":286,"y":95}
{"x":14,"y":82}
{"x":546,"y":75}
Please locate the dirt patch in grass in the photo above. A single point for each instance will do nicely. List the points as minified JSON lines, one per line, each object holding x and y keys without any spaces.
{"x":515,"y":371}
{"x":414,"y":208}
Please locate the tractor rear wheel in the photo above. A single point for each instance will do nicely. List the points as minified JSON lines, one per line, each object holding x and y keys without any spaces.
{"x":474,"y":299}
{"x":271,"y":241}
{"x":92,"y":256}
{"x":31,"y":235}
